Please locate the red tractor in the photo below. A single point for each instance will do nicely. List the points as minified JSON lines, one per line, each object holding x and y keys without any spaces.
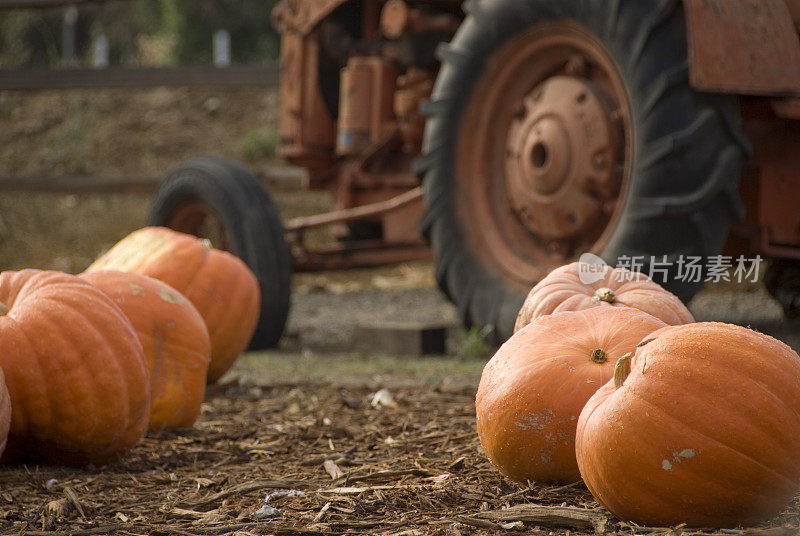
{"x":517,"y":135}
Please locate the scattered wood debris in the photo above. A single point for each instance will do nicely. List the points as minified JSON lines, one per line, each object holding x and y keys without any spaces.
{"x":332,"y":469}
{"x":580,"y":519}
{"x":275,"y":441}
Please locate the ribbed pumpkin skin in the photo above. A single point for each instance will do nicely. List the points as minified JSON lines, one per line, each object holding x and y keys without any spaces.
{"x":533,"y":389}
{"x":175,"y":342}
{"x":5,"y":412}
{"x":74,"y":368}
{"x":220,"y":286}
{"x":562,"y":290}
{"x":705,"y":430}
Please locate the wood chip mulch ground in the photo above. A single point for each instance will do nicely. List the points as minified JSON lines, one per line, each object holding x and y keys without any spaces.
{"x":308,"y":459}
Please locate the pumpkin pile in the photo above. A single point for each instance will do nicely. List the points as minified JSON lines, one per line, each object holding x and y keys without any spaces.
{"x":706,"y":418}
{"x":75,"y":370}
{"x":667,"y":421}
{"x":89,"y":363}
{"x":534,"y":388}
{"x":220,"y":286}
{"x":563,"y":290}
{"x":175,"y":342}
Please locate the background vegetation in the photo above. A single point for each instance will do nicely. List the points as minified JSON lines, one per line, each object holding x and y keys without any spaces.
{"x":141,"y":32}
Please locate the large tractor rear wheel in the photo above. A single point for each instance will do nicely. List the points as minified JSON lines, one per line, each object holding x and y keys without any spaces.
{"x":220,"y":200}
{"x":558,"y":127}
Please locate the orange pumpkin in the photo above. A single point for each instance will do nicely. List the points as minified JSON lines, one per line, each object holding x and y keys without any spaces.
{"x":563,"y":290}
{"x":533,"y":389}
{"x":5,"y":408}
{"x":220,"y":286}
{"x":175,"y":342}
{"x":701,"y":426}
{"x":74,"y":368}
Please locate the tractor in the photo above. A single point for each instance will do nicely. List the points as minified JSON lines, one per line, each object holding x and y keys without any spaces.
{"x":508,"y":137}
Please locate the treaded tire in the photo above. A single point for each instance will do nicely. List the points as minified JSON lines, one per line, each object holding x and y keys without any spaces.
{"x":251,"y":224}
{"x":688,"y":147}
{"x":782,"y":280}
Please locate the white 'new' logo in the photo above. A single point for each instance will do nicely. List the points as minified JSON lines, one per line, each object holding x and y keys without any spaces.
{"x":591,"y":268}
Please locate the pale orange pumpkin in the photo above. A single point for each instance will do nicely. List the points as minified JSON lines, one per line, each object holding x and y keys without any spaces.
{"x":701,"y":426}
{"x":533,"y":389}
{"x":563,"y":290}
{"x":74,"y":368}
{"x":175,"y":342}
{"x":221,"y":286}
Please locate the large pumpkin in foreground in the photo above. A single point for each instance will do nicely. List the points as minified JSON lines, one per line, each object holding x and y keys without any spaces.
{"x":175,"y":342}
{"x":220,"y":286}
{"x":567,"y":289}
{"x":703,"y":430}
{"x":5,"y":408}
{"x":533,"y":389}
{"x":74,"y":368}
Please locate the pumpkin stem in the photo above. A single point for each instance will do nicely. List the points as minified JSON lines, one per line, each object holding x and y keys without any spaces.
{"x":622,"y":369}
{"x":3,"y":309}
{"x":604,"y":294}
{"x":599,"y":356}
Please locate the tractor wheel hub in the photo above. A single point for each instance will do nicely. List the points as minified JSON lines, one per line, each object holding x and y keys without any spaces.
{"x":561,"y":160}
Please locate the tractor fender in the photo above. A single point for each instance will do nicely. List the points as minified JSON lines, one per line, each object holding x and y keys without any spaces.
{"x":794,"y":9}
{"x":302,"y":16}
{"x":744,"y":46}
{"x":734,"y":46}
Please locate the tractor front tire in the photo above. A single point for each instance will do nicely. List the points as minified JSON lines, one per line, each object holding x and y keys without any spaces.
{"x":219,"y":199}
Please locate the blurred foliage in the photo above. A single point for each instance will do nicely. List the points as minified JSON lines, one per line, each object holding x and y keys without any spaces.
{"x":29,"y":37}
{"x":474,"y":343}
{"x":191,"y":24}
{"x":259,"y":143}
{"x":141,"y":32}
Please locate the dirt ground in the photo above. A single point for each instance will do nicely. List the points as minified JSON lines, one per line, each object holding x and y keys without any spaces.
{"x":296,"y":426}
{"x":324,"y":458}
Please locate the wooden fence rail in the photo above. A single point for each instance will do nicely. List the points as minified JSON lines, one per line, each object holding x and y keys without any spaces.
{"x":121,"y":77}
{"x":142,"y":184}
{"x":274,"y":178}
{"x":41,"y":4}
